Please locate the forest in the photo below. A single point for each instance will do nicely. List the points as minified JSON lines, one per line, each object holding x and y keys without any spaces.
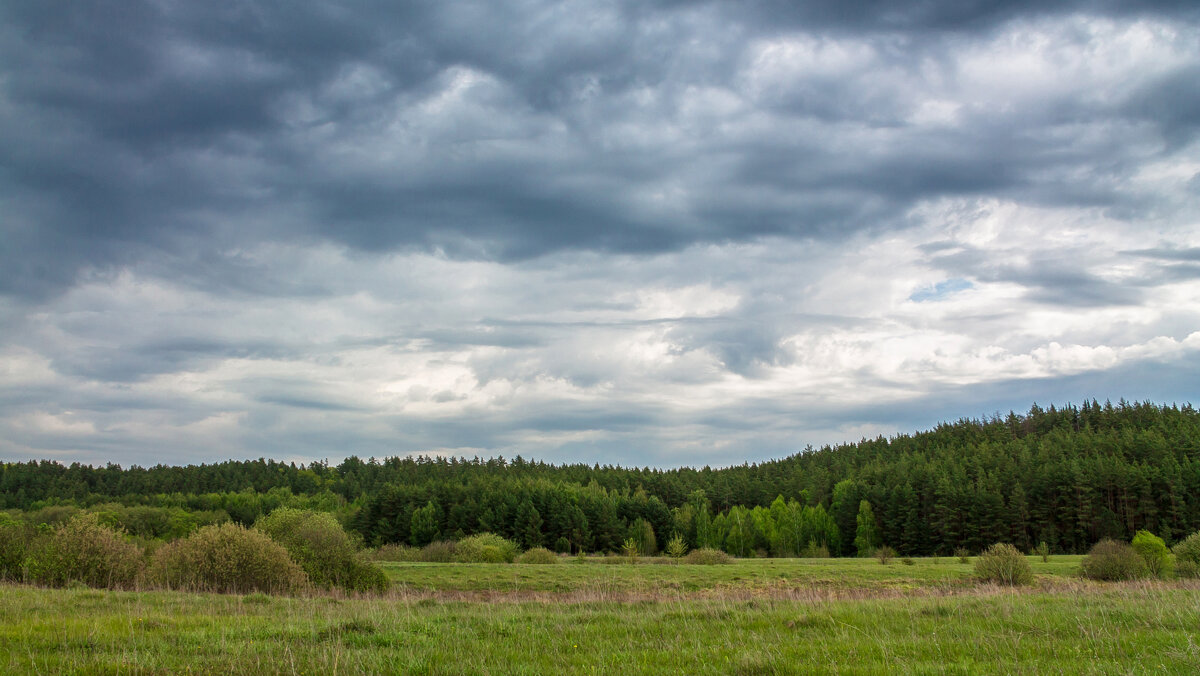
{"x":1066,"y":476}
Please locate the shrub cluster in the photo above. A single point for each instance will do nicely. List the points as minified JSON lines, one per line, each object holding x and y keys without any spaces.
{"x":1004,"y":564}
{"x":1113,"y":560}
{"x":1154,"y":552}
{"x":317,"y":542}
{"x":227,"y":558}
{"x":885,"y":554}
{"x":707,"y":557}
{"x":539,"y":555}
{"x":85,"y":551}
{"x":485,"y":548}
{"x":1187,"y":556}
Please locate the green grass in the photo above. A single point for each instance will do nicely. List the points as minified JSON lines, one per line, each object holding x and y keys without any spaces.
{"x":665,"y":579}
{"x":748,"y":626}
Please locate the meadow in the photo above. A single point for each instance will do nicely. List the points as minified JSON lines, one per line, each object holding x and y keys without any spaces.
{"x":758,"y":616}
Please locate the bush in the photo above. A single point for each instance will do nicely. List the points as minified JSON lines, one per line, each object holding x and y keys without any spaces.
{"x":394,"y":552}
{"x":486,"y":548}
{"x":1188,"y":551}
{"x":815,"y":550}
{"x":227,"y":558}
{"x":676,"y":547}
{"x":885,"y":554}
{"x":1187,"y":569}
{"x":630,"y":548}
{"x":562,"y":546}
{"x":707,"y":557}
{"x":1042,"y":550}
{"x":317,"y":542}
{"x":963,"y":554}
{"x":440,"y":551}
{"x":82,"y":550}
{"x":1003,"y":563}
{"x":908,"y":561}
{"x":1154,"y":552}
{"x":1113,"y":560}
{"x":539,"y":555}
{"x":15,"y":538}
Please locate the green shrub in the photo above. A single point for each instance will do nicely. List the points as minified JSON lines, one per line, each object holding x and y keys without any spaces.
{"x":15,"y":538}
{"x":707,"y":557}
{"x":1187,"y":569}
{"x":908,"y":561}
{"x":486,"y":548}
{"x":1003,"y":563}
{"x":963,"y":554}
{"x":82,"y":550}
{"x":630,"y":549}
{"x":676,"y":547}
{"x":884,"y":554}
{"x":562,"y":546}
{"x":1154,"y":552}
{"x":1188,"y":550}
{"x":1042,"y":550}
{"x":394,"y":552}
{"x":227,"y":558}
{"x":815,"y":550}
{"x":1113,"y":560}
{"x":539,"y":555}
{"x":317,"y":542}
{"x":439,"y":551}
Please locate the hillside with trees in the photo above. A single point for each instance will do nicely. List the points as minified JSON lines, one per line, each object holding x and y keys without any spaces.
{"x":1064,"y":476}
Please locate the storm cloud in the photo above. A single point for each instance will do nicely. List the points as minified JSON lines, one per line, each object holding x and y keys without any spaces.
{"x":609,"y":231}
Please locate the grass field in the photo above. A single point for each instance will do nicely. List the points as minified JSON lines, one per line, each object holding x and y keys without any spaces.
{"x":752,"y":617}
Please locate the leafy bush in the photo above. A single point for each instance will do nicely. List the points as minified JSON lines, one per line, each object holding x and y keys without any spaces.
{"x":908,"y":561}
{"x":439,"y":551}
{"x":1154,"y":552}
{"x":1003,"y":563}
{"x":562,"y":546}
{"x":707,"y":557}
{"x":394,"y":552}
{"x":1042,"y":550}
{"x":815,"y":550}
{"x":539,"y":555}
{"x":630,"y":548}
{"x":1187,"y":569}
{"x":963,"y":554}
{"x":1188,"y":551}
{"x":885,"y":554}
{"x":1113,"y":560}
{"x":227,"y":558}
{"x":317,"y":542}
{"x":676,"y":547}
{"x":486,"y":548}
{"x":83,"y":550}
{"x":15,"y":538}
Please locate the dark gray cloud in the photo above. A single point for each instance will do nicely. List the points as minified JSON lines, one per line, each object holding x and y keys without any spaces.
{"x":176,"y":132}
{"x":679,"y":231}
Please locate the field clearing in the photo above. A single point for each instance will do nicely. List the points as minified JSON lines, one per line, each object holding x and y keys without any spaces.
{"x":734,"y":619}
{"x":763,"y":576}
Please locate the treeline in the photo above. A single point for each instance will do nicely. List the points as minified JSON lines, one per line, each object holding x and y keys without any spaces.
{"x":1065,"y":476}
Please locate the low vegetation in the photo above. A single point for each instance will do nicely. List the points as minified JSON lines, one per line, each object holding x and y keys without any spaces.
{"x":1003,"y":564}
{"x":1112,"y":560}
{"x":707,"y":557}
{"x":85,"y":552}
{"x":227,"y":558}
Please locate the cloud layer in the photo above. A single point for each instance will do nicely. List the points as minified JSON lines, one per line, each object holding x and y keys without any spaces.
{"x":653,"y":234}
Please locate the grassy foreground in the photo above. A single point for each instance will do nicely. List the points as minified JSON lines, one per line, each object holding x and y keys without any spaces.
{"x":1062,"y":626}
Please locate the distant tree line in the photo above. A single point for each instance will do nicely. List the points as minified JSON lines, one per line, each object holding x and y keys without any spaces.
{"x":1065,"y":476}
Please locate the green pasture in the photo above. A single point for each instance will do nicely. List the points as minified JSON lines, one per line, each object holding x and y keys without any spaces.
{"x":599,"y":618}
{"x":660,"y":577}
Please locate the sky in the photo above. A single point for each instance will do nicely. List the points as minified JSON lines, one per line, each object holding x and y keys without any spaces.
{"x":640,"y":233}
